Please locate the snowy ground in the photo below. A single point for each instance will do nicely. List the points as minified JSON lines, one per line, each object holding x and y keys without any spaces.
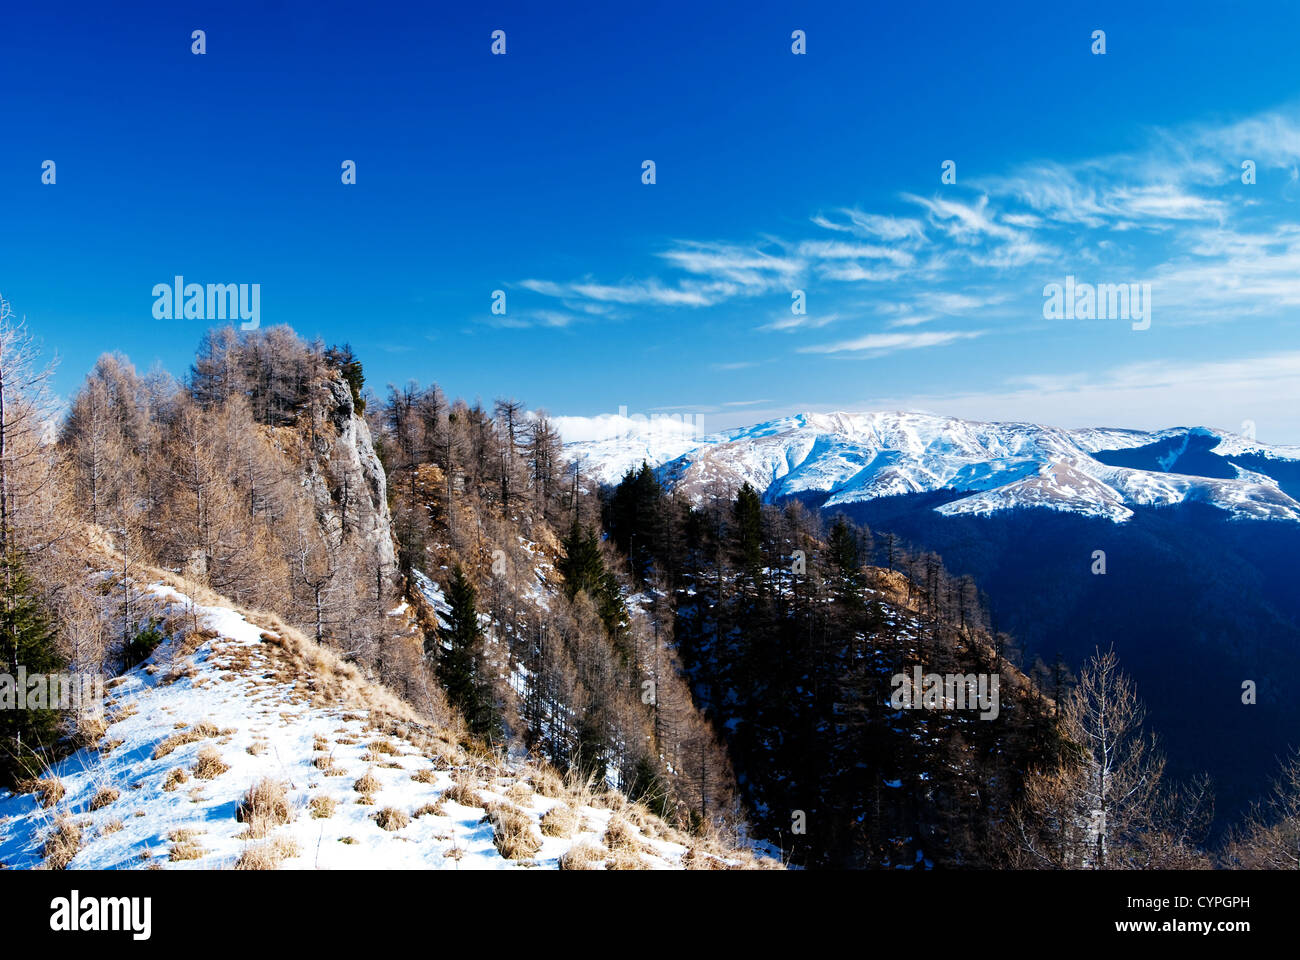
{"x":263,"y":724}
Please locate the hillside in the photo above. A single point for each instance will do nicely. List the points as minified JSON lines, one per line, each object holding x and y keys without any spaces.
{"x":349,"y":776}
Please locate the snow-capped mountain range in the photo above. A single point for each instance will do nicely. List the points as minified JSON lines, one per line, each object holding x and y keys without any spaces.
{"x":846,"y":458}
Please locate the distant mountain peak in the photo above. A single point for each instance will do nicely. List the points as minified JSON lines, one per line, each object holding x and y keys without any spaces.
{"x":841,"y":458}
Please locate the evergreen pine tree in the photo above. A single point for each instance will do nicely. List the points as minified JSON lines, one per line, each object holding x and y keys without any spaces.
{"x":27,"y":639}
{"x":583,"y":568}
{"x":846,"y":562}
{"x":636,"y":520}
{"x":748,"y":513}
{"x":457,"y":653}
{"x":346,"y":362}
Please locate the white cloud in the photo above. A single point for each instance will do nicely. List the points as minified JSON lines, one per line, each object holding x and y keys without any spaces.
{"x":789,"y":322}
{"x":837,"y":250}
{"x":881,"y":343}
{"x":964,"y":222}
{"x":633,"y":292}
{"x":875,"y":225}
{"x":746,"y":267}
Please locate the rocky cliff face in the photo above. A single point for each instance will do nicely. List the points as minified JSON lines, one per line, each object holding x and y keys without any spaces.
{"x":348,"y":484}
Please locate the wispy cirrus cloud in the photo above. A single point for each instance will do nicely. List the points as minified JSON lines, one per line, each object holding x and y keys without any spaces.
{"x":879,"y":344}
{"x":881,"y":226}
{"x":839,"y":250}
{"x":789,"y":323}
{"x":1173,"y":211}
{"x":530,"y":319}
{"x":635,"y":292}
{"x":748,"y":268}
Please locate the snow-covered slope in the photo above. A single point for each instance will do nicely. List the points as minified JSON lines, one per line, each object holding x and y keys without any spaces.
{"x":843,"y":458}
{"x":225,"y":704}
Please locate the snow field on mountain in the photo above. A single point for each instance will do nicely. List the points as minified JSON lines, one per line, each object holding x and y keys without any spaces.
{"x":843,"y":458}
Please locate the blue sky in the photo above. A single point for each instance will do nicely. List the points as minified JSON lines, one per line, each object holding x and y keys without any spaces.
{"x":774,"y":172}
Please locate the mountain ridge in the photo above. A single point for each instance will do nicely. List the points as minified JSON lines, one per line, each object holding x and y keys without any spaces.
{"x":842,"y":458}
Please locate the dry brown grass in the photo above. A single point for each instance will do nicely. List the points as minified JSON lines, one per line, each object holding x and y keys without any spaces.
{"x":61,"y":844}
{"x":175,"y":777}
{"x":512,"y":832}
{"x":621,"y":835}
{"x":113,"y":826}
{"x":48,"y":790}
{"x":210,"y":765}
{"x":547,"y":782}
{"x":443,"y":754}
{"x":697,"y":859}
{"x":91,"y":728}
{"x":579,"y":788}
{"x":434,"y":809}
{"x":639,"y":815}
{"x":203,"y":730}
{"x":179,"y":669}
{"x":367,"y":783}
{"x":385,"y":746}
{"x":609,"y":800}
{"x":185,"y":845}
{"x":583,"y":855}
{"x":103,"y":797}
{"x":265,"y":806}
{"x":193,"y":639}
{"x":626,"y":860}
{"x":463,"y":791}
{"x":559,"y":821}
{"x":322,"y":807}
{"x":257,"y":748}
{"x":520,"y":793}
{"x":390,"y":819}
{"x":334,"y":682}
{"x":268,"y":855}
{"x":425,"y":776}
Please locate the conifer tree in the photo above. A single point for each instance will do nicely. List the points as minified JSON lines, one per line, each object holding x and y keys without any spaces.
{"x":846,"y":563}
{"x":27,"y":640}
{"x":584,"y":570}
{"x":346,"y":362}
{"x":458,"y":653}
{"x":636,"y":519}
{"x":748,"y":512}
